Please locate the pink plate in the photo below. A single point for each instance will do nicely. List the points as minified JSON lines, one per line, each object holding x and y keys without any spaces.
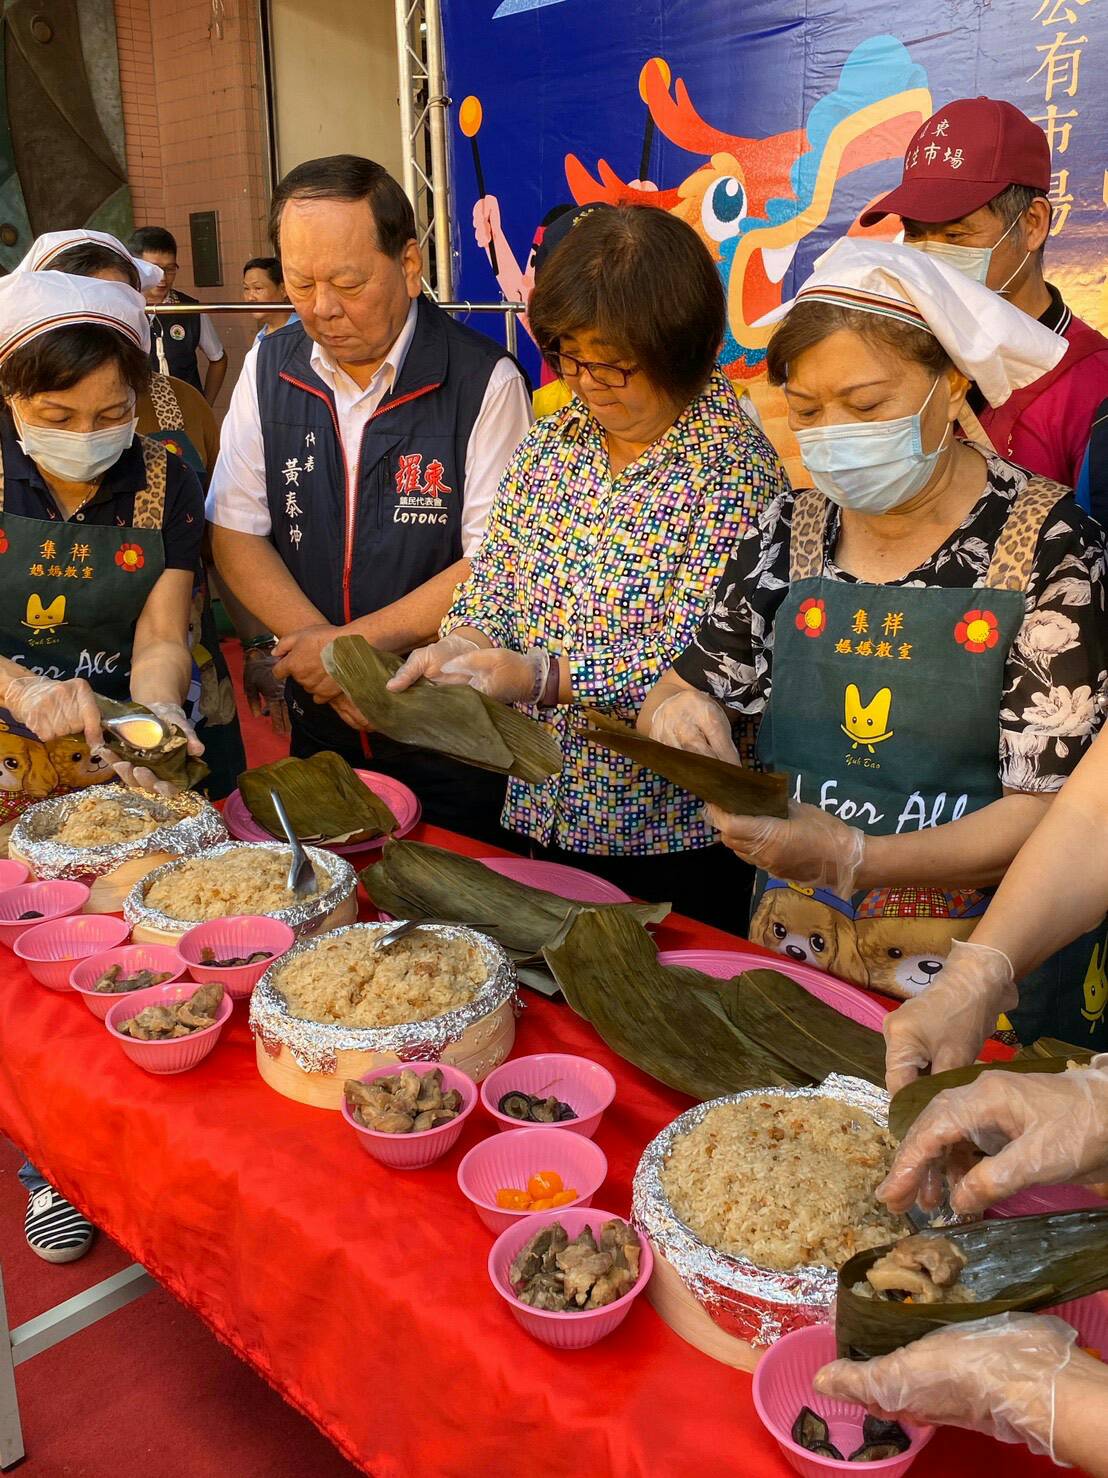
{"x":402,"y":802}
{"x":574,"y":883}
{"x":1039,"y":1199}
{"x":722,"y":964}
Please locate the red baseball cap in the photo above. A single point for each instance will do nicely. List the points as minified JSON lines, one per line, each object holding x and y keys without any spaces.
{"x":963,"y":157}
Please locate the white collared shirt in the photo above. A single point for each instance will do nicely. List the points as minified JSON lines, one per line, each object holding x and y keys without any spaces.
{"x":237,"y":495}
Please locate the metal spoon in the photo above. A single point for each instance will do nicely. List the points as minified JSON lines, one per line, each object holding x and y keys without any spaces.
{"x":302,"y":880}
{"x":398,"y":931}
{"x":151,"y":731}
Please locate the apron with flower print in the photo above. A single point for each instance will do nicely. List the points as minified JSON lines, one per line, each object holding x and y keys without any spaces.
{"x":884,"y":711}
{"x":70,"y":598}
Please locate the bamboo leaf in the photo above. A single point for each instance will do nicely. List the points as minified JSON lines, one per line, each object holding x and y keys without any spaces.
{"x":169,"y":760}
{"x":739,"y":791}
{"x":323,"y":798}
{"x":1023,"y":1262}
{"x":815,"y":1038}
{"x":671,"y":1023}
{"x":456,"y":721}
{"x":910,"y":1102}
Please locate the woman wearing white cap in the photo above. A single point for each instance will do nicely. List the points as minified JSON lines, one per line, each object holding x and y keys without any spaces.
{"x":921,"y":635}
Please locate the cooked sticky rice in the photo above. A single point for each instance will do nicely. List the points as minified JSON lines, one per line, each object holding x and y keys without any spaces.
{"x":246,"y":880}
{"x":99,"y":819}
{"x":344,"y":980}
{"x":783,"y":1182}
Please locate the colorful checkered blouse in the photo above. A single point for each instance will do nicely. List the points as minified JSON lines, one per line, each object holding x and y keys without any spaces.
{"x":614,"y":574}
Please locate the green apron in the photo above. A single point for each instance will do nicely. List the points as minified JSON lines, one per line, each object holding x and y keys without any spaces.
{"x":71,"y":594}
{"x":884,"y":711}
{"x":211,"y":697}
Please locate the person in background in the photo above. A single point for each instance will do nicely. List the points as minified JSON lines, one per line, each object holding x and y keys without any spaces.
{"x":174,"y":341}
{"x":613,"y":521}
{"x":174,"y":413}
{"x":1017,"y":1377}
{"x":975,"y":195}
{"x":262,"y":282}
{"x":360,"y":455}
{"x":100,"y":547}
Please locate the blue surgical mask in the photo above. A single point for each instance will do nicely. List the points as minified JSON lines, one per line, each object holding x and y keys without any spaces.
{"x":870,"y":466}
{"x":972,"y":261}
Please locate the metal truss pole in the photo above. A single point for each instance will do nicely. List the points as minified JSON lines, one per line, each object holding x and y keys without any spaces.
{"x":423,"y":109}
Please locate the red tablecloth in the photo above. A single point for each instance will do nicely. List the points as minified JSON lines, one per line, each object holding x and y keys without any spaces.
{"x":361,"y":1293}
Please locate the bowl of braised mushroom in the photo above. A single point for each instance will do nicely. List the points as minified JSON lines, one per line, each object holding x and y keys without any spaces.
{"x":409,"y":1114}
{"x":169,"y":1028}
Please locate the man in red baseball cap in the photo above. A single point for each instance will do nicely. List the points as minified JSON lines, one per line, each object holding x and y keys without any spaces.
{"x":975,"y":194}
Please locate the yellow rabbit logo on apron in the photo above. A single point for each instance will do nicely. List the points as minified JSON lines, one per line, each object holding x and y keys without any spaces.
{"x":45,"y":619}
{"x":1096,"y":987}
{"x":867,"y":723}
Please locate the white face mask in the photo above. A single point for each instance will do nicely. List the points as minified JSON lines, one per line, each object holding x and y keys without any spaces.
{"x":870,"y":466}
{"x":972,"y":261}
{"x":75,"y":456}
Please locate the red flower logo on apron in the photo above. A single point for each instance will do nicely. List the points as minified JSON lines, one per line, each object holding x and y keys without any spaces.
{"x":3,"y":542}
{"x":977,"y":631}
{"x":812,"y":617}
{"x":130,"y":557}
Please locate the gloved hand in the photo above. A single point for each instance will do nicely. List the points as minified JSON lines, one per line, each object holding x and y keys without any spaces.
{"x":52,"y":709}
{"x":945,"y":1025}
{"x":265,"y":691}
{"x":138,"y":777}
{"x":512,"y":677}
{"x":812,"y":848}
{"x":1035,"y":1128}
{"x":429,"y":661}
{"x":693,"y":721}
{"x":995,"y":1376}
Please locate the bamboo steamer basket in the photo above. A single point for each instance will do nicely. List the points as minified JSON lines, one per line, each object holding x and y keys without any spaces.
{"x":111,"y":872}
{"x":309,"y":1061}
{"x":336,"y":905}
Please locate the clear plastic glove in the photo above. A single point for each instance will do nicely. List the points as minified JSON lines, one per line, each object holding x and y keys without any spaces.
{"x":511,"y":677}
{"x":429,"y":662}
{"x":995,"y":1376}
{"x":53,"y":709}
{"x":945,"y":1025}
{"x":811,"y":848}
{"x":695,"y":722}
{"x":1035,"y":1129}
{"x":138,"y":777}
{"x":265,"y":691}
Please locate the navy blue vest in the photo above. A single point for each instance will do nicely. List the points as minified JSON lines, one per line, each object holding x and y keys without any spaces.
{"x":354,"y":550}
{"x":181,"y":338}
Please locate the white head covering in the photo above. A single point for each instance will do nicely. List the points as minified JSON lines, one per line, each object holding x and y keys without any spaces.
{"x":33,"y":303}
{"x":46,"y":249}
{"x":996,"y":345}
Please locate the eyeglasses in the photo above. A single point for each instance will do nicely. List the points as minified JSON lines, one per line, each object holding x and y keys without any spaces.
{"x":610,"y":376}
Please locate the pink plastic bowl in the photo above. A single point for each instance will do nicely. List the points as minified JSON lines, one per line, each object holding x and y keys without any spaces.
{"x":51,"y":950}
{"x":12,"y":873}
{"x":54,"y":898}
{"x":783,"y":1384}
{"x":512,"y":1159}
{"x":240,"y":935}
{"x":579,"y":1329}
{"x":179,"y":1053}
{"x":415,"y":1151}
{"x":131,"y":957}
{"x":585,"y":1085}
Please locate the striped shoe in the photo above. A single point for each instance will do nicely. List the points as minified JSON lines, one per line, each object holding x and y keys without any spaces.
{"x":55,"y":1230}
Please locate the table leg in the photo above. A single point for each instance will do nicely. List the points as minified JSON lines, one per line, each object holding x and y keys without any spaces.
{"x":11,"y":1434}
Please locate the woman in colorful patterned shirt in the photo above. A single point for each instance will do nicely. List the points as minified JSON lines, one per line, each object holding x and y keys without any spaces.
{"x":921,"y":638}
{"x":613,"y":521}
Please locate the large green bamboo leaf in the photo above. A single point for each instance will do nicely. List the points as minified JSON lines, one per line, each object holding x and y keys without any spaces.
{"x":322,"y":796}
{"x":791,"y":1022}
{"x":169,"y":760}
{"x":910,"y":1102}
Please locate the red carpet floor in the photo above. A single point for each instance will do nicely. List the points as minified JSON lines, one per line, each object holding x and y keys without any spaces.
{"x":148,"y":1392}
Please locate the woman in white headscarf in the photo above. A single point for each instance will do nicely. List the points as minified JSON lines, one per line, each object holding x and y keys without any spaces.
{"x":921,"y":637}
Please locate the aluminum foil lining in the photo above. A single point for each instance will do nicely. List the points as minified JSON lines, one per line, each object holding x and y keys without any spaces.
{"x":303,"y":918}
{"x":314,"y":1045}
{"x":191,"y":825}
{"x":746,"y":1300}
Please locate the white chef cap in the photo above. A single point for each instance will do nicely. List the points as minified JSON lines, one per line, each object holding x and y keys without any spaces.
{"x":33,"y":303}
{"x":996,"y":345}
{"x":46,"y":249}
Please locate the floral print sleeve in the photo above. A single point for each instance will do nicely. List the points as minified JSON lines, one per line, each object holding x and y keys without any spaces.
{"x":1057,"y":670}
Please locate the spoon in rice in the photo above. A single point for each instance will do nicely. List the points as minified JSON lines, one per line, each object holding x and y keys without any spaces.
{"x":302,"y":881}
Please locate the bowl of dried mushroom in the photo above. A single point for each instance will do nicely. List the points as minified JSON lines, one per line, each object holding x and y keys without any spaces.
{"x":408,"y":1115}
{"x":169,"y":1028}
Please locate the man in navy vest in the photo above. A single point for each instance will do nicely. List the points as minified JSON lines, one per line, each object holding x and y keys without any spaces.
{"x":359,"y":459}
{"x":174,"y":341}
